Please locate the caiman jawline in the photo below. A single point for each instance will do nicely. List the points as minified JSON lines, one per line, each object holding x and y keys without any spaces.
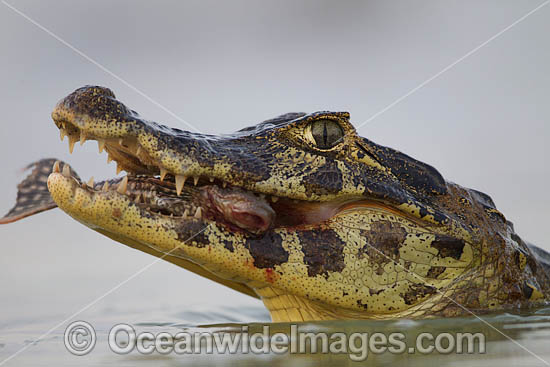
{"x":153,"y":188}
{"x":159,"y":192}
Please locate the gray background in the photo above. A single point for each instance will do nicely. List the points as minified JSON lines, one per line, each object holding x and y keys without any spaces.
{"x":222,"y":66}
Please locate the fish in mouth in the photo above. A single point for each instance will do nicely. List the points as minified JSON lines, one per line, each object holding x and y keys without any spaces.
{"x":298,"y":210}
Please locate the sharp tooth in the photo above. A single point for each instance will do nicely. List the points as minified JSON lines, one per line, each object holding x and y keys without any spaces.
{"x":211,"y":179}
{"x":62,"y":133}
{"x":100,"y":145}
{"x":195,"y":180}
{"x":138,"y":198}
{"x":198,"y":213}
{"x":109,"y":159}
{"x":66,"y":170}
{"x":82,"y":138}
{"x":274,"y":199}
{"x":120,"y":141}
{"x":180,"y":181}
{"x":186,"y":213}
{"x":138,"y":150}
{"x":105,"y":186}
{"x":118,"y":169}
{"x":224,"y":184}
{"x":64,"y":124}
{"x":55,"y":168}
{"x":91,"y":182}
{"x":122,"y":185}
{"x":163,"y":174}
{"x":72,"y":141}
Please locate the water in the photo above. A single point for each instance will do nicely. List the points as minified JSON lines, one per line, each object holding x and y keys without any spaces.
{"x":511,"y":340}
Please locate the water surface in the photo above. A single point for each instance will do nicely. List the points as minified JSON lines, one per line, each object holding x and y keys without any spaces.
{"x":511,"y":340}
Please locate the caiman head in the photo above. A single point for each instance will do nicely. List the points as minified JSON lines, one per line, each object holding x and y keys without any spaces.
{"x":299,"y":210}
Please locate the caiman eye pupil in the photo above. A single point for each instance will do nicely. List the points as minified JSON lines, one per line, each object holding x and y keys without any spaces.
{"x":326,"y":133}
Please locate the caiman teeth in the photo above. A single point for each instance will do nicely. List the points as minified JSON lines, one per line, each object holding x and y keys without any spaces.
{"x":186,"y":213}
{"x":198,"y":213}
{"x":101,"y":145}
{"x":72,"y":141}
{"x":123,"y":185}
{"x":138,"y":198}
{"x":163,"y":174}
{"x":274,"y":199}
{"x":55,"y":168}
{"x":114,"y":147}
{"x":66,"y":170}
{"x":180,"y":181}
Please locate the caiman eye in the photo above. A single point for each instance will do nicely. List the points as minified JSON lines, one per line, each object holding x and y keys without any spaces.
{"x":326,"y":133}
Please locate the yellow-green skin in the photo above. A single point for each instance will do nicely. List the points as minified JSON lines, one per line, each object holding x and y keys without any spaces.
{"x":404,"y":243}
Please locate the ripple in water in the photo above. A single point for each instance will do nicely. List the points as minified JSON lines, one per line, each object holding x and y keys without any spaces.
{"x":511,"y":339}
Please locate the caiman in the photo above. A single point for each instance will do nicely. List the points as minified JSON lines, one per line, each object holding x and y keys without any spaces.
{"x":299,"y":211}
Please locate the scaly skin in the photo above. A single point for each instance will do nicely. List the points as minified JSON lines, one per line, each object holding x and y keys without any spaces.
{"x":352,"y":230}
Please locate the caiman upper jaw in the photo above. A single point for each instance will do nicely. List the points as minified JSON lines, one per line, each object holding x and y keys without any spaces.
{"x":256,"y":161}
{"x":139,"y":146}
{"x":144,"y":147}
{"x":176,"y":157}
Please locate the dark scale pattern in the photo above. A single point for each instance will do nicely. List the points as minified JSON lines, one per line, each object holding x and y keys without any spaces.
{"x":267,"y":251}
{"x":326,"y":180}
{"x":192,"y":232}
{"x":449,"y":246}
{"x":384,"y":239}
{"x":418,"y":175}
{"x":418,"y":292}
{"x":323,"y":251}
{"x":435,"y":271}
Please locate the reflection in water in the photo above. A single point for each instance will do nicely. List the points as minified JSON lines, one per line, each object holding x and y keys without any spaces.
{"x":530,"y":334}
